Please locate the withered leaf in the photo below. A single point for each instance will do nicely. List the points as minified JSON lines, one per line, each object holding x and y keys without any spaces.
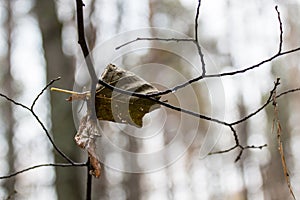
{"x":117,"y":107}
{"x":85,"y":138}
{"x":112,"y":106}
{"x":121,"y":108}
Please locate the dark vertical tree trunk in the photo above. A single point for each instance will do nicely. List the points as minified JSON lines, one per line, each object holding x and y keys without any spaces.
{"x":68,"y":182}
{"x":8,"y":82}
{"x":243,"y":129}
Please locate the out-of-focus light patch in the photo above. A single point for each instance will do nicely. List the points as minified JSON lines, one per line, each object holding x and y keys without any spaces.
{"x":295,"y":142}
{"x":155,"y":180}
{"x":294,"y":173}
{"x":180,"y":179}
{"x":153,"y":144}
{"x":259,"y":195}
{"x":4,"y":169}
{"x":3,"y":36}
{"x":258,"y":138}
{"x":199,"y":183}
{"x":25,"y":132}
{"x":250,"y":92}
{"x":221,"y":140}
{"x":188,"y":4}
{"x":136,"y":15}
{"x":214,"y":163}
{"x":154,"y":195}
{"x":213,"y":18}
{"x":3,"y":193}
{"x":174,"y":152}
{"x":161,"y":20}
{"x":259,"y":125}
{"x":3,"y":43}
{"x":119,"y":138}
{"x":293,"y":120}
{"x":172,"y":122}
{"x":4,"y":145}
{"x":42,"y":155}
{"x":28,"y":187}
{"x":214,"y":189}
{"x":116,"y":137}
{"x":178,"y":171}
{"x":114,"y":177}
{"x":65,"y":9}
{"x":117,"y":193}
{"x":231,"y":180}
{"x":22,"y":7}
{"x":231,"y":98}
{"x":248,"y":42}
{"x":3,"y":12}
{"x":42,"y":177}
{"x":153,"y":191}
{"x":106,"y":19}
{"x":295,"y":152}
{"x":4,"y":150}
{"x":158,"y":161}
{"x":30,"y":152}
{"x":252,"y":176}
{"x":69,"y":35}
{"x":40,"y":192}
{"x":216,"y":96}
{"x":27,"y":58}
{"x":181,"y":192}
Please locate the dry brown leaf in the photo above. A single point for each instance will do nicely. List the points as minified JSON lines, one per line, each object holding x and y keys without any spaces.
{"x":85,"y":138}
{"x":112,"y":106}
{"x":121,"y":108}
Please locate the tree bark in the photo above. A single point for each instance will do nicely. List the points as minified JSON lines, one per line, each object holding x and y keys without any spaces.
{"x":69,"y":183}
{"x":8,"y":83}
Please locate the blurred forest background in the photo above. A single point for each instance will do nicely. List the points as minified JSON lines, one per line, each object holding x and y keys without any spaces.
{"x":38,"y":42}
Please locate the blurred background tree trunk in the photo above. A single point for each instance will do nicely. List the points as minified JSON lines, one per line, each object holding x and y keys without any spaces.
{"x":258,"y":174}
{"x":8,"y":82}
{"x":58,"y":65}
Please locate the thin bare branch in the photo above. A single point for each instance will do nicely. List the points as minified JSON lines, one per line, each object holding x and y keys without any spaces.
{"x":82,"y":41}
{"x":155,"y":39}
{"x":288,"y":92}
{"x":242,"y":148}
{"x":180,"y":86}
{"x":44,"y":165}
{"x":38,"y":119}
{"x":14,"y":102}
{"x":89,"y":180}
{"x":268,"y":101}
{"x":280,"y":29}
{"x":223,"y":151}
{"x":42,"y":91}
{"x":197,"y":20}
{"x":238,"y":157}
{"x":255,"y":147}
{"x":91,"y":69}
{"x":218,"y":75}
{"x":196,"y":40}
{"x":276,"y":84}
{"x":276,"y":126}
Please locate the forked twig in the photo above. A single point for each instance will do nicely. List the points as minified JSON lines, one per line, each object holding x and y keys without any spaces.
{"x":31,"y":110}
